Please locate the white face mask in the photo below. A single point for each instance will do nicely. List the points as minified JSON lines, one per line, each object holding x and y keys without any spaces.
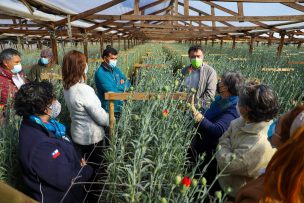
{"x":86,"y":69}
{"x":17,"y":68}
{"x":56,"y":109}
{"x":112,"y":63}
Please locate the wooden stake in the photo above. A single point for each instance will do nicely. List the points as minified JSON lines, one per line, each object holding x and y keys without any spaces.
{"x":101,"y":46}
{"x":54,"y":47}
{"x":233,"y":42}
{"x":280,"y":47}
{"x":112,"y":118}
{"x":251,"y":44}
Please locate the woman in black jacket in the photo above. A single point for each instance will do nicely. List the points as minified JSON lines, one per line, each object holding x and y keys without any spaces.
{"x":49,"y":161}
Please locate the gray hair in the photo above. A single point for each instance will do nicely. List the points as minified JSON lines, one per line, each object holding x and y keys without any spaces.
{"x":8,"y":54}
{"x":233,"y":80}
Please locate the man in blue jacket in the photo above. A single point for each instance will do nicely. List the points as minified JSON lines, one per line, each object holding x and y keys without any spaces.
{"x":108,"y":78}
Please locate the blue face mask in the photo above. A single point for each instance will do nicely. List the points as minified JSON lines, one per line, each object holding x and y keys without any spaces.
{"x":44,"y":61}
{"x":17,"y":68}
{"x":112,"y":63}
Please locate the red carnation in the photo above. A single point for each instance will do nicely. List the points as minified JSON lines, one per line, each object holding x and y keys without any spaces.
{"x":186,"y":181}
{"x":165,"y":113}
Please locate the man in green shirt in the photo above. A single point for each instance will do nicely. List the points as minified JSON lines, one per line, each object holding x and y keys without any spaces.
{"x":42,"y":67}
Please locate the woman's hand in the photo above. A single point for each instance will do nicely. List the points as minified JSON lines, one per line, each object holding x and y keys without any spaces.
{"x":198,"y":117}
{"x":83,"y":162}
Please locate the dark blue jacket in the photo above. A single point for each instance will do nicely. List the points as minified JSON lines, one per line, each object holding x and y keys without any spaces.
{"x":108,"y":80}
{"x":49,"y":164}
{"x":211,"y":129}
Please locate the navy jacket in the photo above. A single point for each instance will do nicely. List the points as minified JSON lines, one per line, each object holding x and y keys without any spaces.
{"x":210,"y":130}
{"x":49,"y":164}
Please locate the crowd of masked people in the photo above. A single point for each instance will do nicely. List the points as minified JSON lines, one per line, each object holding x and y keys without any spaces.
{"x":239,"y":131}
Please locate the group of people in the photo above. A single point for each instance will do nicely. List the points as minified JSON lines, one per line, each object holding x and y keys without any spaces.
{"x":50,"y":159}
{"x":260,"y":158}
{"x":236,"y":130}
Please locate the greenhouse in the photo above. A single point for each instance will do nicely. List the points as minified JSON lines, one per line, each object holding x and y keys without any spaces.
{"x":171,"y":101}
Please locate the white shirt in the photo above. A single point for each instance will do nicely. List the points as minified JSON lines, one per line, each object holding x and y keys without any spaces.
{"x":18,"y":81}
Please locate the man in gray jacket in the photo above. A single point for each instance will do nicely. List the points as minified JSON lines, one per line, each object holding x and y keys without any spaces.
{"x":200,"y":77}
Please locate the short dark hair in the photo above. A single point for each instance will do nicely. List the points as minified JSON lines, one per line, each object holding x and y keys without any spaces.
{"x":109,"y":51}
{"x":233,"y":80}
{"x":261,"y":101}
{"x":7,"y":54}
{"x":195,"y":48}
{"x":33,"y":98}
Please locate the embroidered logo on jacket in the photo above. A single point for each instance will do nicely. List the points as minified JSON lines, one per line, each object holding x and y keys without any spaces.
{"x":55,"y":154}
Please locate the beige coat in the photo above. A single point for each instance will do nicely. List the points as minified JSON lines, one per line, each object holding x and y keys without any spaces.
{"x":248,"y":142}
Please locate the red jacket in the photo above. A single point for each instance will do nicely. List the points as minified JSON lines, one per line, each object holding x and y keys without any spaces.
{"x":7,"y":86}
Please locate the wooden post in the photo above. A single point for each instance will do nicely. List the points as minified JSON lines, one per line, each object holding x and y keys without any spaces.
{"x":299,"y":45}
{"x":251,"y":44}
{"x":186,"y":7}
{"x":54,"y":47}
{"x":101,"y":46}
{"x":212,"y":42}
{"x":280,"y":47}
{"x":233,"y":42}
{"x":125,"y":44}
{"x":112,"y":41}
{"x":118,"y":42}
{"x":85,"y":46}
{"x":111,"y":115}
{"x":221,"y":43}
{"x":206,"y":39}
{"x":128,"y":43}
{"x":269,"y":38}
{"x":39,"y":45}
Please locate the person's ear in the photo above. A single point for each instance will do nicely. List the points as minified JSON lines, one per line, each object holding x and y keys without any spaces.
{"x":6,"y":63}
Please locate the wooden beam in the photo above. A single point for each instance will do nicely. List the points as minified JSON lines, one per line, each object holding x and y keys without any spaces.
{"x":176,"y":7}
{"x":208,"y":18}
{"x":236,"y":14}
{"x":204,"y":13}
{"x":295,"y":6}
{"x":136,"y":7}
{"x":186,"y":7}
{"x":240,"y":9}
{"x":89,"y":12}
{"x":127,"y":13}
{"x":213,"y":15}
{"x":144,"y":96}
{"x":263,"y":1}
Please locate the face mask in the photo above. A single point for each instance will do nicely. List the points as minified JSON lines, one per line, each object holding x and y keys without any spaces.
{"x":17,"y":68}
{"x":56,"y":108}
{"x":44,"y":61}
{"x":86,"y":69}
{"x":112,"y":63}
{"x":196,"y":62}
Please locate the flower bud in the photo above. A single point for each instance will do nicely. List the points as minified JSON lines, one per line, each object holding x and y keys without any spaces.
{"x":194,"y":182}
{"x":233,"y":157}
{"x":163,"y":200}
{"x":178,"y":179}
{"x":218,"y":195}
{"x":203,"y":181}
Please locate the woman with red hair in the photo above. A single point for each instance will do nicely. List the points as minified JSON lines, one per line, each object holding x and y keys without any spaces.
{"x":284,"y":177}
